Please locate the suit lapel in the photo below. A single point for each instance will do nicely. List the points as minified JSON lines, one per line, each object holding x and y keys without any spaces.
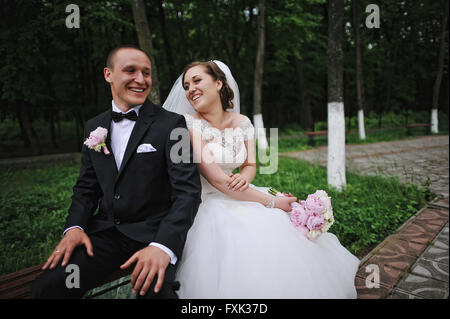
{"x":144,"y":121}
{"x":110,"y":160}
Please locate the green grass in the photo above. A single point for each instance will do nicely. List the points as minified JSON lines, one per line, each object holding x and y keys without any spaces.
{"x":32,"y":213}
{"x":35,"y":202}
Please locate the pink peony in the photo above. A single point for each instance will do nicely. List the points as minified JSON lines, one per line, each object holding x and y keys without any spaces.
{"x":96,"y":140}
{"x":313,"y":205}
{"x":315,"y":222}
{"x":299,"y":216}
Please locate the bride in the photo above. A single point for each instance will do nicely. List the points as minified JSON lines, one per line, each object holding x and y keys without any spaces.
{"x":242,"y":243}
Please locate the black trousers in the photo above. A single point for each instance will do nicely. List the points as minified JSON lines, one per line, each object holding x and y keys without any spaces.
{"x":111,"y":249}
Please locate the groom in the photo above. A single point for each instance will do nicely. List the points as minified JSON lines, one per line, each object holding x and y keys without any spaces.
{"x":146,"y":203}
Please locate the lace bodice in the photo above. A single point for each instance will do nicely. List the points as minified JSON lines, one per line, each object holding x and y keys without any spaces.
{"x":227,"y":146}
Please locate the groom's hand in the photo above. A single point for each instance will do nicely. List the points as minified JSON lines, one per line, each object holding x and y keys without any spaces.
{"x":73,"y":238}
{"x":149,"y":262}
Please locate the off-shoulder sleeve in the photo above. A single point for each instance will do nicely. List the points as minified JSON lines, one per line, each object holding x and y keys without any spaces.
{"x":247,"y":128}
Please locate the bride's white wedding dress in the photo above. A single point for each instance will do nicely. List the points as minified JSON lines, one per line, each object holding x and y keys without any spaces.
{"x":241,"y":249}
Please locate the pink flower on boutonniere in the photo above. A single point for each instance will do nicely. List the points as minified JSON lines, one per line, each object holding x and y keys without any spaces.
{"x":96,"y":140}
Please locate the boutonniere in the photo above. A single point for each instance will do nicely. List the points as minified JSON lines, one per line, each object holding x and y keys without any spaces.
{"x":96,"y":140}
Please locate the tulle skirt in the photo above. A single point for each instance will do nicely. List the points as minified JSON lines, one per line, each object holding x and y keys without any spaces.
{"x":240,"y":250}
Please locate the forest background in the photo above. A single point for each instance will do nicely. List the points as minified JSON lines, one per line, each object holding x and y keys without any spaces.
{"x":52,"y":76}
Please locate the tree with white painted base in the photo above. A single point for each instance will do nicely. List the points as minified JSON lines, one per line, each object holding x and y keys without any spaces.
{"x":437,"y":83}
{"x":356,"y":6}
{"x":336,"y":120}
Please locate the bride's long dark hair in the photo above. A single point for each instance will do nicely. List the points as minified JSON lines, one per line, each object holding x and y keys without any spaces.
{"x":226,"y":93}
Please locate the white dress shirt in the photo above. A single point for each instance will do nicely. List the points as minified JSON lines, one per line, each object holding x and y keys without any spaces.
{"x":120,"y":134}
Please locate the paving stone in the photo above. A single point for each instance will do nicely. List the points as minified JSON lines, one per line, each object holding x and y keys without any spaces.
{"x":416,"y":232}
{"x":443,"y":235}
{"x":442,"y":239}
{"x":441,"y":242}
{"x":389,"y":276}
{"x":405,"y":247}
{"x":431,"y":269}
{"x":436,"y":254}
{"x":432,"y":228}
{"x":371,"y":293}
{"x":432,"y":216}
{"x":394,"y":259}
{"x":442,"y":201}
{"x":400,"y":294}
{"x":424,"y":287}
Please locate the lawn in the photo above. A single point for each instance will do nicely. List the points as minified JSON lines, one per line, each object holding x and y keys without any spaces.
{"x":35,"y":202}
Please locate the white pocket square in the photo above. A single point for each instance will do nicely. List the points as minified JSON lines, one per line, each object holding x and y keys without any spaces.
{"x":145,"y":148}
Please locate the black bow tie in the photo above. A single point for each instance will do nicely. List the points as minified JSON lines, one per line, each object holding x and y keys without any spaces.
{"x":117,"y":117}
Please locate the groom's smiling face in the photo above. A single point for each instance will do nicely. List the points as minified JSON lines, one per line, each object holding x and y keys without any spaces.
{"x":130,"y":78}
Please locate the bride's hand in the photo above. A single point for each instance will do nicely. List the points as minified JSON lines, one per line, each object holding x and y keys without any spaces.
{"x":238,"y":183}
{"x":284,"y":203}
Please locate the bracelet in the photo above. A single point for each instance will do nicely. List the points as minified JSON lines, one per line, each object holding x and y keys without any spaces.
{"x":271,"y":204}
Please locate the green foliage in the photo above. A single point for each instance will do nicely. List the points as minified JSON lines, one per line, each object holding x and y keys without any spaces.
{"x":33,"y":212}
{"x":54,"y":74}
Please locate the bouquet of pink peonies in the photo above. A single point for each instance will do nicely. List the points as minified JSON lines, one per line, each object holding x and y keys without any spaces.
{"x":312,"y":216}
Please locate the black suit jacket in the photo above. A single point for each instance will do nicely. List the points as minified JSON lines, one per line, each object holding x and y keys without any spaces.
{"x":150,"y":198}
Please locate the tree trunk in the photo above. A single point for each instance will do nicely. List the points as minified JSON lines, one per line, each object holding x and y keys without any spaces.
{"x":306,"y":121}
{"x":168,"y":48}
{"x":23,"y":133}
{"x":356,"y":6}
{"x":28,"y":129}
{"x":440,"y":71}
{"x":145,"y":43}
{"x":336,"y":117}
{"x":79,"y":123}
{"x":257,"y":89}
{"x":52,"y":129}
{"x":389,"y":76}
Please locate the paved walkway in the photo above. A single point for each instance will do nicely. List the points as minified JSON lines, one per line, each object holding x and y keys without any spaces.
{"x":420,"y":160}
{"x":413,"y":263}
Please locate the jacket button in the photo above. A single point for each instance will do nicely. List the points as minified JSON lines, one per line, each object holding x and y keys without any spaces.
{"x":117,"y":196}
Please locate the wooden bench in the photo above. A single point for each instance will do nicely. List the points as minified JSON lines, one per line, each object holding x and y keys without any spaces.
{"x":311,"y":136}
{"x":410,"y":127}
{"x":17,"y":285}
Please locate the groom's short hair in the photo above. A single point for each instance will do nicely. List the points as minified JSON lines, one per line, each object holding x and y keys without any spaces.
{"x":112,"y":53}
